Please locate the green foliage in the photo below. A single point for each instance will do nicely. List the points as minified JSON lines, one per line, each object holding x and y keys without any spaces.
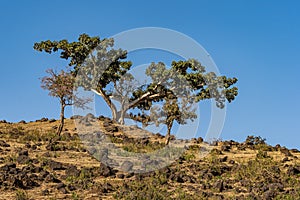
{"x":76,"y":52}
{"x":105,"y":71}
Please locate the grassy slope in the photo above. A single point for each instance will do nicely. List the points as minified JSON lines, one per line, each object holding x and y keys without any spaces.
{"x":232,"y":170}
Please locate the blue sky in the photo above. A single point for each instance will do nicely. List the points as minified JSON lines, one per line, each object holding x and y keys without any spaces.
{"x":256,"y":41}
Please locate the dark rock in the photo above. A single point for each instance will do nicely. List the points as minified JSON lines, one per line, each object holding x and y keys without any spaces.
{"x":44,"y":119}
{"x":22,"y":122}
{"x":111,"y":129}
{"x":56,"y":165}
{"x":105,"y":170}
{"x":15,"y":182}
{"x":27,"y":145}
{"x":91,"y":116}
{"x":179,"y":179}
{"x":60,"y":185}
{"x":23,"y":159}
{"x":37,"y":169}
{"x":216,"y":151}
{"x":23,"y":153}
{"x":269,"y":195}
{"x":276,"y":187}
{"x":225,"y":148}
{"x":294,"y":151}
{"x":121,"y":176}
{"x":106,"y":187}
{"x":52,"y":120}
{"x":53,"y":146}
{"x":8,"y":167}
{"x":76,"y":117}
{"x":127,"y":166}
{"x":199,"y":140}
{"x":3,"y":144}
{"x":131,"y":174}
{"x":144,"y":141}
{"x":45,"y":192}
{"x":71,"y":187}
{"x":224,"y":159}
{"x":50,"y":178}
{"x":29,"y":183}
{"x":47,"y":155}
{"x":293,"y":170}
{"x":285,"y":159}
{"x":63,"y":190}
{"x":285,"y":151}
{"x":158,"y":135}
{"x":72,"y":171}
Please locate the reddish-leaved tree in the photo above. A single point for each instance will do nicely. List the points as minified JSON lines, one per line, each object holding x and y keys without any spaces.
{"x":61,"y":86}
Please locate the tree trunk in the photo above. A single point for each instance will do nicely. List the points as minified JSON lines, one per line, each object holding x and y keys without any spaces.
{"x":62,"y":119}
{"x":168,"y":136}
{"x":110,"y":104}
{"x":121,"y":119}
{"x":114,"y":112}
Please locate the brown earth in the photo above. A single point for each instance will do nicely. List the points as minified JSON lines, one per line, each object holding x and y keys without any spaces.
{"x":37,"y":164}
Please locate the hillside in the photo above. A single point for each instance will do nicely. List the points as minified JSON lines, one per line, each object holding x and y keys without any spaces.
{"x":37,"y":164}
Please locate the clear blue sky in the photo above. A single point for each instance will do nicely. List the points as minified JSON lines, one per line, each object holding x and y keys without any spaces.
{"x":256,"y":41}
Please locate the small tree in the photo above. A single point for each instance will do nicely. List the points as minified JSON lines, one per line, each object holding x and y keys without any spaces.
{"x":61,"y":85}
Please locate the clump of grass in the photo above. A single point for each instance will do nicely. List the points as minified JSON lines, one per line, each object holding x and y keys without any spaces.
{"x":142,"y":148}
{"x":21,"y":195}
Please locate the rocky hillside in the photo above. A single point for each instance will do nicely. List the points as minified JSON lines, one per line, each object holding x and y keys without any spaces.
{"x":37,"y":164}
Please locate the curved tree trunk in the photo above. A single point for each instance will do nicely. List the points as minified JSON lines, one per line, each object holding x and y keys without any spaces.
{"x":110,"y":104}
{"x":62,"y":118}
{"x":168,"y":136}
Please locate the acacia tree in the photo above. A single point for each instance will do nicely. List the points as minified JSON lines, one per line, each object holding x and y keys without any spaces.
{"x":178,"y":88}
{"x":61,"y":85}
{"x":99,"y":64}
{"x":102,"y":69}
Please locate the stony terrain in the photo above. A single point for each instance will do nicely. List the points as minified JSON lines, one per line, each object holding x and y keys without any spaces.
{"x":37,"y":164}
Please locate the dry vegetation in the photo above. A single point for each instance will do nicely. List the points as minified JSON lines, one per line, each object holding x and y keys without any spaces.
{"x":36,"y":164}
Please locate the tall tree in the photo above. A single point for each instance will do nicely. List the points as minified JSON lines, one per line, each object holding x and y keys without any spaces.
{"x":98,"y":63}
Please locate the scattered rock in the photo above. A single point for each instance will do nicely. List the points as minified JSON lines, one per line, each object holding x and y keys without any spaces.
{"x":111,"y":128}
{"x":126,"y":166}
{"x":285,"y":151}
{"x":23,"y":159}
{"x":219,"y":186}
{"x":23,"y":153}
{"x":52,"y":120}
{"x":105,"y":170}
{"x":44,"y":119}
{"x":72,"y":171}
{"x":3,"y":144}
{"x":293,"y":170}
{"x":50,"y":178}
{"x":225,"y":148}
{"x":54,"y":165}
{"x":199,"y":140}
{"x":47,"y":154}
{"x":8,"y":167}
{"x":223,"y":159}
{"x":121,"y":176}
